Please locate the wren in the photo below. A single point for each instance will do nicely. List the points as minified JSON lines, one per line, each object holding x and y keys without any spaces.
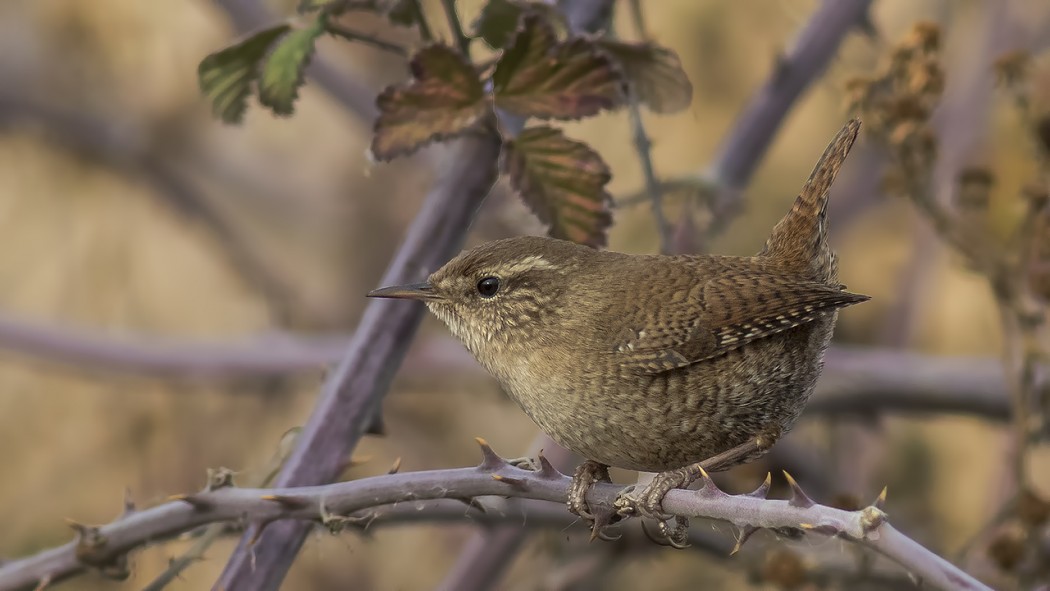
{"x":653,"y":362}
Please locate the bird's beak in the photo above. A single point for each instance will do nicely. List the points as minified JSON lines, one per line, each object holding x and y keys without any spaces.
{"x":412,"y":291}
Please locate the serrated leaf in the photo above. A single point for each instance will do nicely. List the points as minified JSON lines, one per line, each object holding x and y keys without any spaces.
{"x":562,"y":181}
{"x":541,"y":77}
{"x":226,"y":76}
{"x":654,"y":73}
{"x":498,"y":21}
{"x":446,"y":99}
{"x":283,"y":72}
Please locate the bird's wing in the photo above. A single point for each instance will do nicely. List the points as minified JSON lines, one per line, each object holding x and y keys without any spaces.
{"x":722,"y":314}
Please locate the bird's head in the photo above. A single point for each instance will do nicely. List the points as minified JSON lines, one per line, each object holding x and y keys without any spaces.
{"x":501,"y":292}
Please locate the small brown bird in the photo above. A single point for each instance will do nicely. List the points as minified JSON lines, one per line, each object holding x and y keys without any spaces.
{"x":652,"y":362}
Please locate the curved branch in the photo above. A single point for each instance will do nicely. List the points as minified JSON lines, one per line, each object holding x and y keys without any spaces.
{"x":346,"y":504}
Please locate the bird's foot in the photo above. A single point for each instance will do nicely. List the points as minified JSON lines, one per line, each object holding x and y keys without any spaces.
{"x":648,"y":503}
{"x":587,"y":474}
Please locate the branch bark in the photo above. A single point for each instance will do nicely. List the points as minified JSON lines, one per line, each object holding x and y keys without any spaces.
{"x":349,"y":504}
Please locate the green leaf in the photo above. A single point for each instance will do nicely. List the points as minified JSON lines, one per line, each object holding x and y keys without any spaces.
{"x":654,"y":73}
{"x":498,"y":21}
{"x":226,"y":76}
{"x":540,"y":77}
{"x":282,"y":74}
{"x":562,"y":181}
{"x":445,"y":100}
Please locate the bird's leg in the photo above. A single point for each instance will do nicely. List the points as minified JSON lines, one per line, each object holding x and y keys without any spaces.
{"x":649,"y":502}
{"x":586,"y":475}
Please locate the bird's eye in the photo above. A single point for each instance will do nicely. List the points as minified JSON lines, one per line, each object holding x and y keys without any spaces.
{"x":488,"y":286}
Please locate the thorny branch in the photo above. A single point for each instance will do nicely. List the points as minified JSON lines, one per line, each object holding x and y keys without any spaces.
{"x":351,"y":504}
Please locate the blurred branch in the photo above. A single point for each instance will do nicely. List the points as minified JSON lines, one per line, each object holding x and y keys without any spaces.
{"x":349,"y":400}
{"x":869,"y":380}
{"x":127,"y":149}
{"x":356,"y":97}
{"x":270,"y":355}
{"x":793,"y":72}
{"x":856,"y":380}
{"x":749,"y":139}
{"x":347,"y":504}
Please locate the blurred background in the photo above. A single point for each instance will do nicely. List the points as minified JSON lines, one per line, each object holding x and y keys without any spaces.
{"x":135,"y":227}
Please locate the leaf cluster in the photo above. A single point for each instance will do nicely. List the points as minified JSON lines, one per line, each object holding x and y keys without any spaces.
{"x":541,"y":70}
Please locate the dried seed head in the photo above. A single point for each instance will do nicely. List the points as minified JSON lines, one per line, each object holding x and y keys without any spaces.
{"x":1042,"y":132}
{"x":1032,"y":509}
{"x":1037,"y":196}
{"x":924,"y":36}
{"x":1007,"y":549}
{"x":975,"y":189}
{"x":1011,"y":68}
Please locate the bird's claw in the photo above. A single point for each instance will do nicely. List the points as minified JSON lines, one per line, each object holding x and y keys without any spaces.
{"x":648,"y":503}
{"x":586,"y":475}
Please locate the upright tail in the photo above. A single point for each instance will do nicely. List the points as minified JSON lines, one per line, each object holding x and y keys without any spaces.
{"x":799,"y":240}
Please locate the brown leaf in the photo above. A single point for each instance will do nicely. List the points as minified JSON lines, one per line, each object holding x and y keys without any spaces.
{"x":654,"y":73}
{"x":445,"y":100}
{"x":538,"y":76}
{"x":562,"y":181}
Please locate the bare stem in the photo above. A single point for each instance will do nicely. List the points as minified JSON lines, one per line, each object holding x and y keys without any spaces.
{"x":421,"y":21}
{"x":462,"y":41}
{"x":350,"y":35}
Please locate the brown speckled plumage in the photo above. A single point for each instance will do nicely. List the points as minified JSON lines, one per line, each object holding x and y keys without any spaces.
{"x":654,"y":362}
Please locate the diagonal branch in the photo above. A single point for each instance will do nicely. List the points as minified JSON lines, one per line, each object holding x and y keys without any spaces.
{"x":349,"y":504}
{"x":757,"y":125}
{"x":350,"y":396}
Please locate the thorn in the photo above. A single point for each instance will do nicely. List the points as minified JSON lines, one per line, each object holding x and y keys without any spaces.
{"x":490,"y":460}
{"x":129,"y":503}
{"x":762,"y":492}
{"x":880,"y":502}
{"x":288,"y":502}
{"x":194,"y":501}
{"x":547,"y":470}
{"x":798,"y":497}
{"x":515,"y":482}
{"x":709,"y":488}
{"x":397,"y":466}
{"x":44,"y":583}
{"x":260,"y":526}
{"x":745,"y":535}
